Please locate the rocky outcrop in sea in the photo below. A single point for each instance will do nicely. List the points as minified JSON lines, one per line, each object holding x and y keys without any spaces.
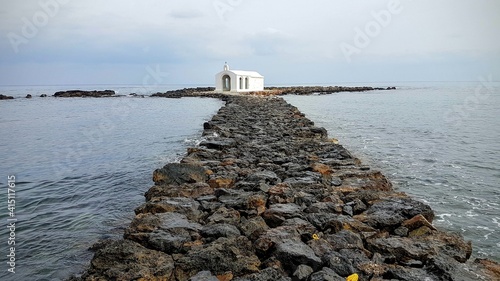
{"x":269,"y":196}
{"x":80,"y":93}
{"x":4,"y":97}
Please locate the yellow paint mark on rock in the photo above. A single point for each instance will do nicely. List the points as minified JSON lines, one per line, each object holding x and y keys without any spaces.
{"x":353,"y":277}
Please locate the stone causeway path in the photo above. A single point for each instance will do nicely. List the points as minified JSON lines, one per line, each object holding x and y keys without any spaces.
{"x":269,"y":196}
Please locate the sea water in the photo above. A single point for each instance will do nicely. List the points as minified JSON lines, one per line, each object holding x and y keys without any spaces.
{"x":439,"y":143}
{"x":81,"y":166}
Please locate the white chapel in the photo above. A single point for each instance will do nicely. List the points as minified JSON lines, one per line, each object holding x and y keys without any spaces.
{"x":238,"y":80}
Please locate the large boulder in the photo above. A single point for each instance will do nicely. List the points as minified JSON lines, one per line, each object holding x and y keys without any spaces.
{"x":127,"y":260}
{"x":293,"y":253}
{"x":224,"y":254}
{"x":182,"y":205}
{"x":392,"y":212}
{"x":179,"y":173}
{"x":167,"y":232}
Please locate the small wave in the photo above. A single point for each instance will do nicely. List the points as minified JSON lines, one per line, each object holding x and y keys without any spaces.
{"x":495,"y":221}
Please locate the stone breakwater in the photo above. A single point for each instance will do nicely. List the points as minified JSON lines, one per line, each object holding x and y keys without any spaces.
{"x":268,"y":196}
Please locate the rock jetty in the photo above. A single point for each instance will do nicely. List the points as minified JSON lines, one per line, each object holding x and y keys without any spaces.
{"x":80,"y":93}
{"x":268,"y":196}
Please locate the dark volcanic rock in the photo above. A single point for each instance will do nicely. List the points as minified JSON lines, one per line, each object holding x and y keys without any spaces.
{"x":278,"y":213}
{"x":175,"y":173}
{"x":79,"y":93}
{"x":168,"y":232}
{"x":4,"y":97}
{"x":127,"y":260}
{"x":326,"y":274}
{"x":268,"y":274}
{"x":392,"y":212}
{"x":293,"y":253}
{"x":220,"y":230}
{"x":182,"y":205}
{"x":225,"y":254}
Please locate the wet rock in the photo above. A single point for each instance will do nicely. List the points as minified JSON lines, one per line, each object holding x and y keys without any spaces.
{"x":177,"y":174}
{"x":448,"y":268}
{"x":391,"y":213}
{"x":366,"y":180}
{"x":127,"y":260}
{"x":402,"y":248}
{"x":449,"y":244}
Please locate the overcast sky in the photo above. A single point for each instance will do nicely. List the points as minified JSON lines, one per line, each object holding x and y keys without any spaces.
{"x":289,"y":42}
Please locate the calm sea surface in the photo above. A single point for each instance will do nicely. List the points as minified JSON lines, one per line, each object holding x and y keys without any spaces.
{"x":439,"y":143}
{"x":83,"y":165}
